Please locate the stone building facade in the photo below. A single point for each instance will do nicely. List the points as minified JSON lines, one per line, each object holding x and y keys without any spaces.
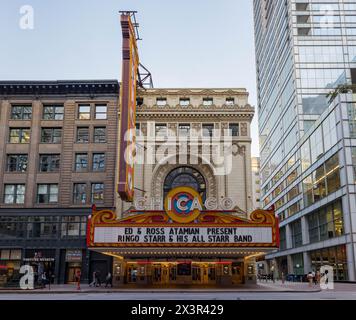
{"x":57,"y":158}
{"x":170,"y":114}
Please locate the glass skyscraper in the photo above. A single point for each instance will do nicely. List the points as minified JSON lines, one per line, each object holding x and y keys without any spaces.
{"x":304,"y":50}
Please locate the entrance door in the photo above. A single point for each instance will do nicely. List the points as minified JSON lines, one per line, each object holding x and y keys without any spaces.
{"x":173,"y":274}
{"x":165,"y":275}
{"x":212,"y":274}
{"x":197,"y":274}
{"x":205,"y":274}
{"x":132,"y":274}
{"x":237,"y":273}
{"x":157,"y":274}
{"x":72,"y":271}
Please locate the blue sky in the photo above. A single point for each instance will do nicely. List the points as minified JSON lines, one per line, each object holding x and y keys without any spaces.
{"x":195,"y":43}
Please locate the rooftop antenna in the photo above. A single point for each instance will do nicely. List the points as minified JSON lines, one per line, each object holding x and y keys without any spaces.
{"x":145,"y":80}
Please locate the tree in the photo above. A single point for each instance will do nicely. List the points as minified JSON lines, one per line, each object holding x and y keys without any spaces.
{"x":343,"y":88}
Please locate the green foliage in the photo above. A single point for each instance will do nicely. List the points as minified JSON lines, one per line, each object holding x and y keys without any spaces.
{"x":343,"y":88}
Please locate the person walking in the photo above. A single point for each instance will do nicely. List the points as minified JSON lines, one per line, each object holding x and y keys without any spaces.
{"x":98,"y":279}
{"x":77,"y":278}
{"x":310,"y":279}
{"x":314,"y":279}
{"x":94,"y":282}
{"x":43,"y":280}
{"x":108,"y":280}
{"x":283,"y":278}
{"x":317,"y":277}
{"x":50,"y":277}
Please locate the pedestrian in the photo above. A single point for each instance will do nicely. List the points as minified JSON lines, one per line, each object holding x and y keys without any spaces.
{"x":317,"y":277}
{"x":283,"y":278}
{"x":77,"y":278}
{"x":43,"y":280}
{"x":108,"y":280}
{"x":93,"y":283}
{"x":49,"y":280}
{"x":98,"y":279}
{"x":310,"y":279}
{"x":314,"y":279}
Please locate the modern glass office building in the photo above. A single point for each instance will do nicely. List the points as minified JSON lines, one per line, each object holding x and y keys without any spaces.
{"x":305,"y":49}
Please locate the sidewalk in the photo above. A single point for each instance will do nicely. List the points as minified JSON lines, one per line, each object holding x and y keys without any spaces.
{"x":85,"y":289}
{"x":289,"y":286}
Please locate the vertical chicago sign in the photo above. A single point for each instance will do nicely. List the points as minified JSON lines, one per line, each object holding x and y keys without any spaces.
{"x":127,"y":147}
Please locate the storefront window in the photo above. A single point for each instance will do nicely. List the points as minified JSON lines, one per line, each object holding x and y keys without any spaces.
{"x":10,"y":261}
{"x":334,"y":257}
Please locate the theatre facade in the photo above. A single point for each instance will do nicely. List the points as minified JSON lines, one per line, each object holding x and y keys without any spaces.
{"x":157,"y":249}
{"x":191,"y":222}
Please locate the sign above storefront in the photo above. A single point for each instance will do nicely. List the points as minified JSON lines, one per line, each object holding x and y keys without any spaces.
{"x":74,"y":255}
{"x":183,"y":205}
{"x":183,"y":235}
{"x":183,"y":224}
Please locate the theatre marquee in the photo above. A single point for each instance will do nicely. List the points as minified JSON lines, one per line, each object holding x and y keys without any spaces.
{"x":156,"y":229}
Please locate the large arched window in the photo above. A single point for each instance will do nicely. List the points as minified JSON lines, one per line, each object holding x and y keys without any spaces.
{"x":185,"y":177}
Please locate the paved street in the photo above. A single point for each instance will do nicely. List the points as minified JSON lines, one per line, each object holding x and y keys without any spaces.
{"x":263,"y":291}
{"x":186,"y":296}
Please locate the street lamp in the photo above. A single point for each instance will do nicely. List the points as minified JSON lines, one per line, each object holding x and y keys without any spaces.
{"x":297,"y":266}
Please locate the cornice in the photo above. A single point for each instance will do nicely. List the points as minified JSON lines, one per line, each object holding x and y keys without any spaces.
{"x":194,"y":92}
{"x":220,"y":115}
{"x":59,"y":88}
{"x":196,"y":108}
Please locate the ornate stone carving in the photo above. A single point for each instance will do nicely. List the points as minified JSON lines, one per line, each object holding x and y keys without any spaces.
{"x":144,"y":128}
{"x":172,"y":129}
{"x":238,"y":150}
{"x":244,"y":132}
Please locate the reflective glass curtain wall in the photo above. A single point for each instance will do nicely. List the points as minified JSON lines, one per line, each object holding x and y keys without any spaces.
{"x":304,"y":49}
